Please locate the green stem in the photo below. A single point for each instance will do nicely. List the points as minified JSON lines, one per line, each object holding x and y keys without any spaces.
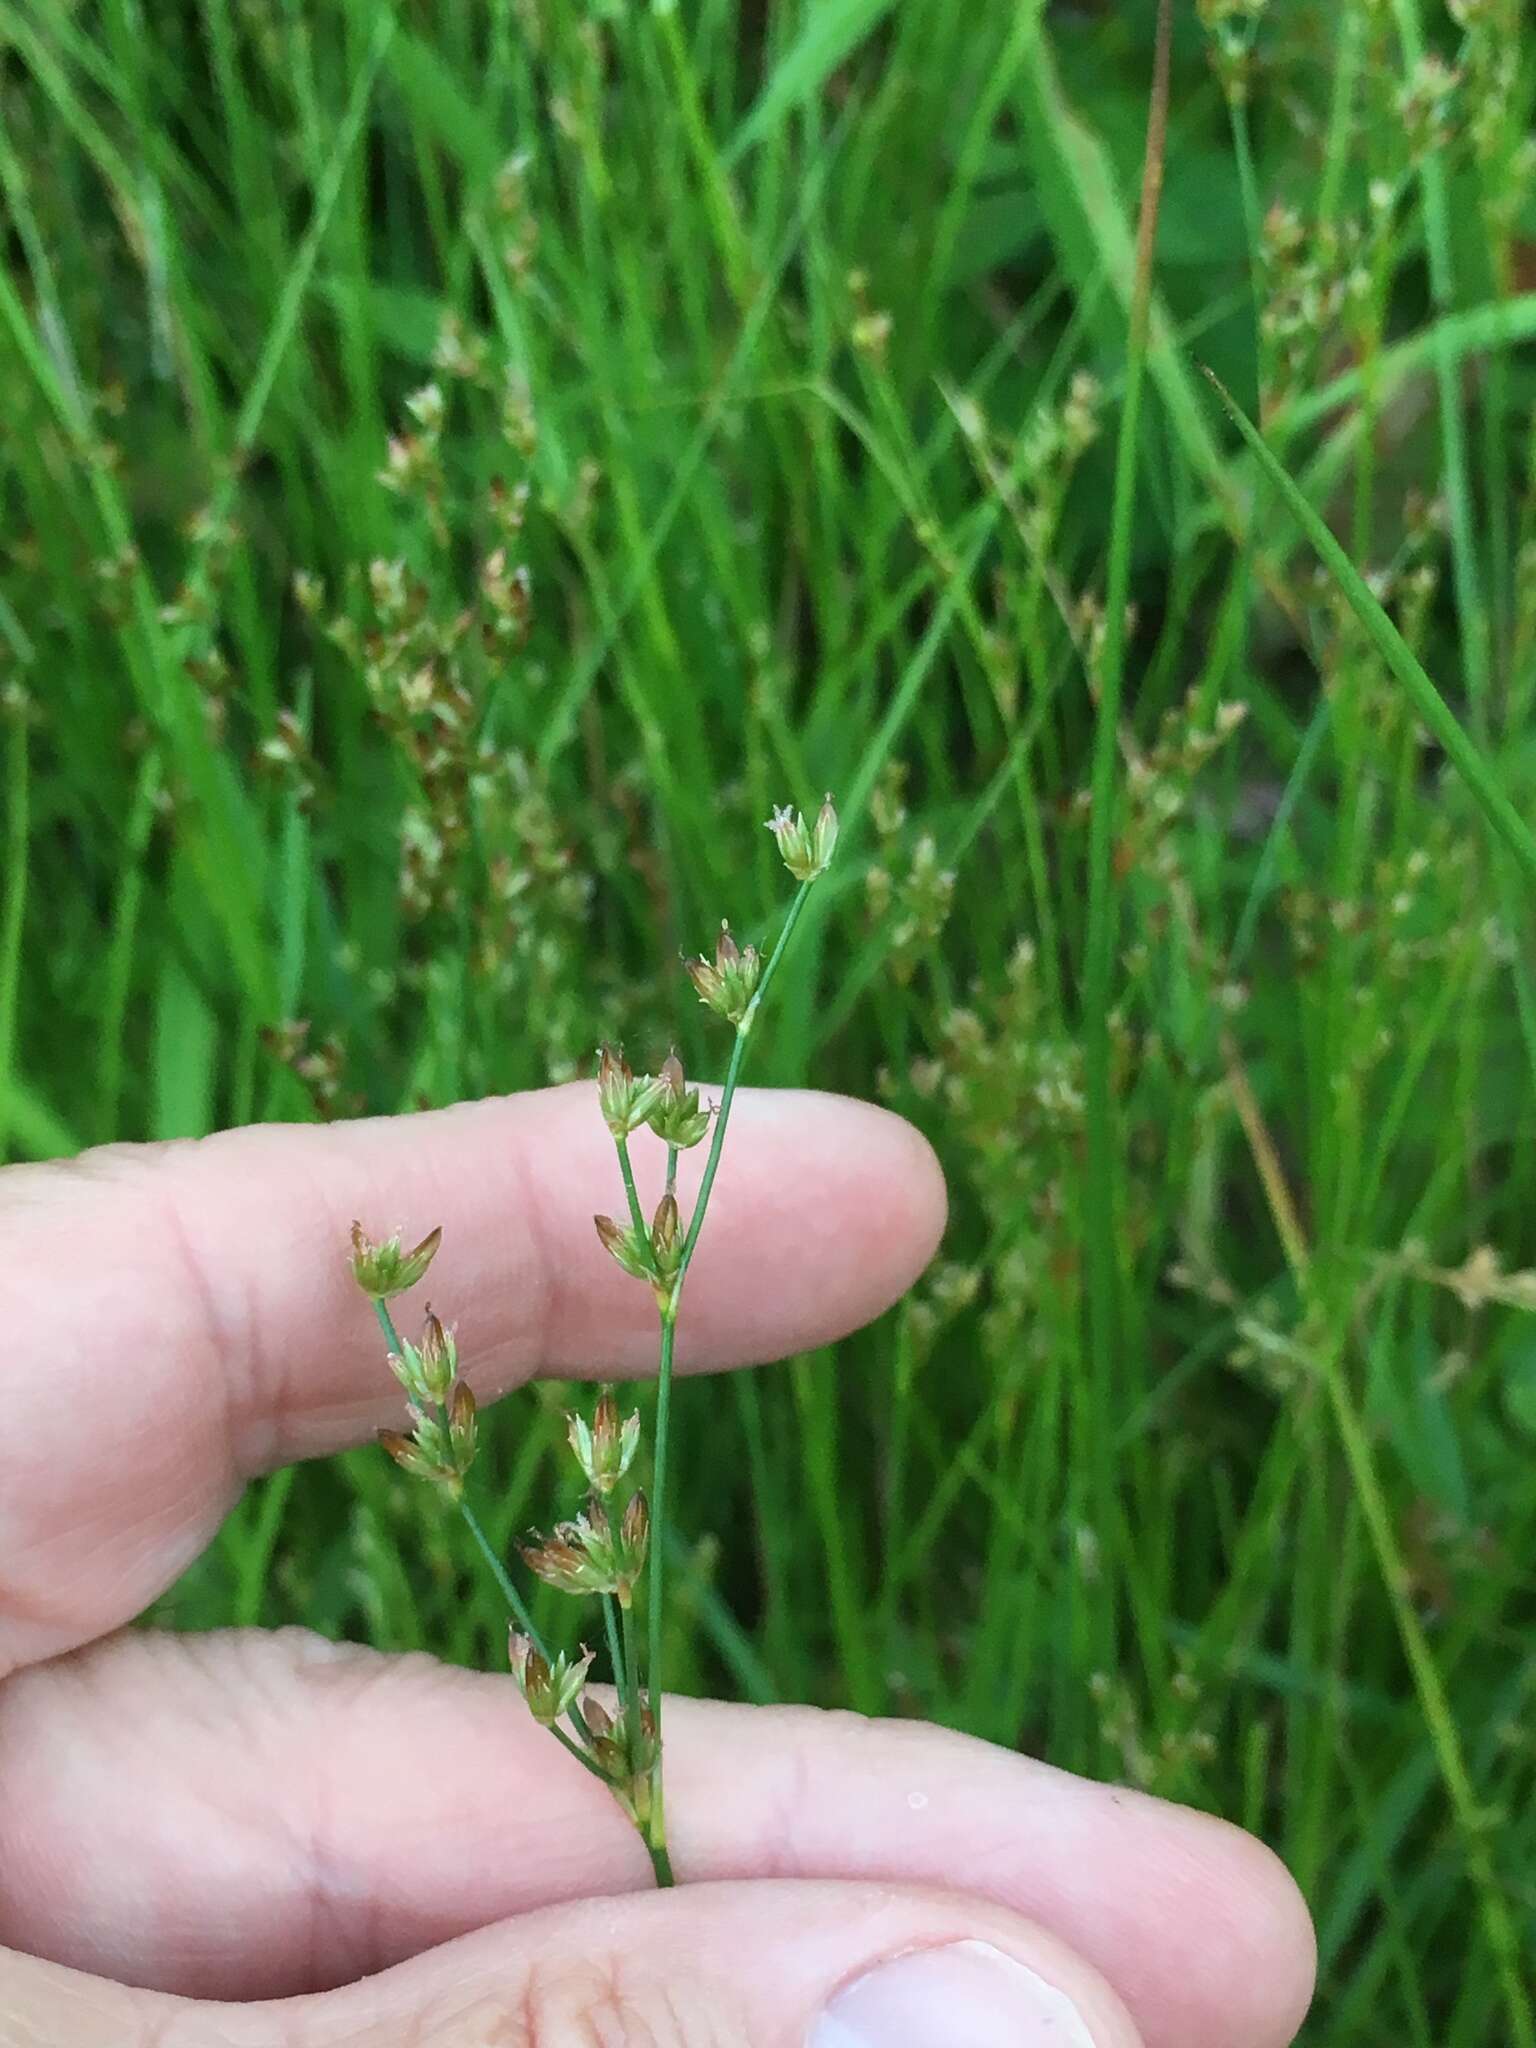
{"x":387,"y":1325}
{"x":656,"y":1836}
{"x":1471,"y":1816}
{"x":732,"y":1076}
{"x":1467,"y":583}
{"x":1102,"y":1176}
{"x":671,"y":1169}
{"x":631,"y":1681}
{"x":580,"y":1754}
{"x":515,"y":1602}
{"x":499,"y":1572}
{"x":509,"y":1592}
{"x":658,"y":1507}
{"x":616,"y":1657}
{"x":636,"y":1213}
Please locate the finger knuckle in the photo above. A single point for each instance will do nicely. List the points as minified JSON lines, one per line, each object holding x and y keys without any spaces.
{"x":579,"y":2004}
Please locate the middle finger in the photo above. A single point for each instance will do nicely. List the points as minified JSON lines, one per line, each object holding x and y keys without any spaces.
{"x":246,"y":1815}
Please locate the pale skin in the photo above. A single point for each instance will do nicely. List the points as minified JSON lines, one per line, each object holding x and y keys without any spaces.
{"x":195,"y":1828}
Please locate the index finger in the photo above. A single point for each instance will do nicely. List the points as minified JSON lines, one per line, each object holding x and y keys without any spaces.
{"x":183,"y":1316}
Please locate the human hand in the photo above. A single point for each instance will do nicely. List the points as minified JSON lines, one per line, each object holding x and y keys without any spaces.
{"x":251,"y":1817}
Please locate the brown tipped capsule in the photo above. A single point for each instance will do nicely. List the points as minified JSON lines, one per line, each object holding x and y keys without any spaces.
{"x":557,"y":1563}
{"x":605,"y":1449}
{"x":614,"y":1083}
{"x":461,"y":1428}
{"x":551,"y":1689}
{"x":598,"y":1719}
{"x":634,"y":1535}
{"x":577,"y":1557}
{"x":439,"y":1358}
{"x":414,"y":1263}
{"x":406,"y":1454}
{"x":646,"y":1746}
{"x":631,"y":1250}
{"x":605,"y":1418}
{"x":677,"y":1119}
{"x":666,"y":1248}
{"x":528,"y":1663}
{"x":665,"y":1227}
{"x":624,"y":1101}
{"x":707,"y":984}
{"x":727,"y":952}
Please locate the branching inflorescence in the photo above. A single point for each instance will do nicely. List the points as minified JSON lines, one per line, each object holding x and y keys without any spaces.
{"x":614,"y":1551}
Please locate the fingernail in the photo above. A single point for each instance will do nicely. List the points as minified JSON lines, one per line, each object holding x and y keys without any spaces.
{"x":965,"y":1995}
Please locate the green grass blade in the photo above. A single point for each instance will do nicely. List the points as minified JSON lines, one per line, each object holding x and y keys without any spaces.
{"x":1076,"y":180}
{"x":1100,"y":1227}
{"x":1391,"y":646}
{"x":833,"y":31}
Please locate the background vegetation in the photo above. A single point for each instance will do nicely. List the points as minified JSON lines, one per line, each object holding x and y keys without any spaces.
{"x":462,"y":464}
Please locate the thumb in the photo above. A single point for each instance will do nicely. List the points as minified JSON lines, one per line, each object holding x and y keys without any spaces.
{"x":765,"y":1964}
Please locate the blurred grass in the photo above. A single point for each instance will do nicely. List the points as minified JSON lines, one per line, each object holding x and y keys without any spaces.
{"x":783,"y":350}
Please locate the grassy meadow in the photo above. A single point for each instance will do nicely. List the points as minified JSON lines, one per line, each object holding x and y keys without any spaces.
{"x":464,"y":464}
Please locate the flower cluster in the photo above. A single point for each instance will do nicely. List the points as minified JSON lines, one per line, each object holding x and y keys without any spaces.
{"x":552,"y":1686}
{"x":727,"y":985}
{"x":667,"y":1105}
{"x":626,"y":1749}
{"x":625,"y":1100}
{"x":598,"y":1553}
{"x":604,"y":1448}
{"x":806,"y":850}
{"x":439,"y":1447}
{"x":603,"y":1550}
{"x":440,"y":1444}
{"x":383,"y":1269}
{"x":591,"y":1554}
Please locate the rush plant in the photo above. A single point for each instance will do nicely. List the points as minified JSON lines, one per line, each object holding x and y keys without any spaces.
{"x":614,"y":1551}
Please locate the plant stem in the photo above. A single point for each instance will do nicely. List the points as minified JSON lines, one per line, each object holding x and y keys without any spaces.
{"x":509,"y":1592}
{"x":659,"y":1505}
{"x":1472,"y":1818}
{"x":1101,"y":1180}
{"x":580,"y":1754}
{"x":516,"y":1605}
{"x":616,"y":1657}
{"x":631,"y":1681}
{"x":656,"y":1837}
{"x":387,"y":1325}
{"x":672,"y":1169}
{"x":636,"y":1213}
{"x":732,"y":1075}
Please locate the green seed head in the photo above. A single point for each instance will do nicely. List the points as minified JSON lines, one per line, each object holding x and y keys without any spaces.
{"x":383,"y":1269}
{"x":806,"y":850}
